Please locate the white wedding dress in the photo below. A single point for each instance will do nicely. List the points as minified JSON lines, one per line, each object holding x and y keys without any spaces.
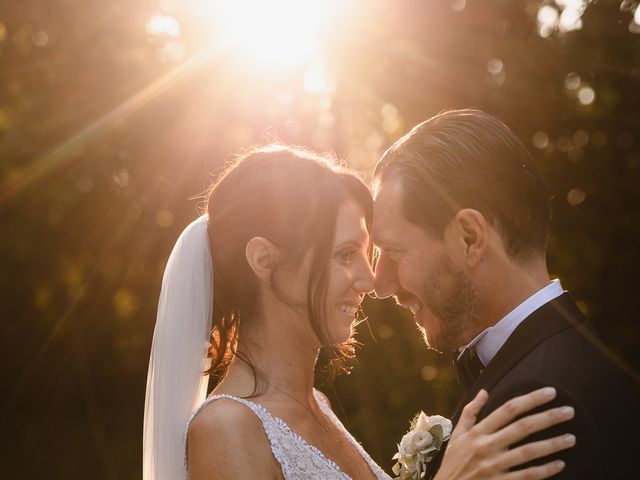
{"x":298,"y":459}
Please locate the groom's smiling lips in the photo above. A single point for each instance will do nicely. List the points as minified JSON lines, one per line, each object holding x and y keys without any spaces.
{"x":409,"y":301}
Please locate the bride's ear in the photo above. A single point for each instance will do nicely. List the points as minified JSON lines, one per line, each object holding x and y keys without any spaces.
{"x":262,"y":256}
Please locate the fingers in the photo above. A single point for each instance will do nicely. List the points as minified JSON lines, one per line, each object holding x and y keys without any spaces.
{"x":470,"y":413}
{"x":534,"y":473}
{"x":515,"y":407}
{"x":531,"y":424}
{"x":534,"y":450}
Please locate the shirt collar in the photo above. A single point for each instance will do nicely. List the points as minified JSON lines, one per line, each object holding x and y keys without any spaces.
{"x":491,"y":340}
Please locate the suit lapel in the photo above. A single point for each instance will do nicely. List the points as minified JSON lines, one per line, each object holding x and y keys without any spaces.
{"x":553,"y":317}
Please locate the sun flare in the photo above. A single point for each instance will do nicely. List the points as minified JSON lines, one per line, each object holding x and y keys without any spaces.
{"x":277,"y":32}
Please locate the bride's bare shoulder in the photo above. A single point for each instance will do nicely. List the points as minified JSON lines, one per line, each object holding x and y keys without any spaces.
{"x":226,"y":440}
{"x":224,"y":416}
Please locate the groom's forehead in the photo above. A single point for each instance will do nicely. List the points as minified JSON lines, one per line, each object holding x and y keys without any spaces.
{"x":384,"y":233}
{"x":387,"y":196}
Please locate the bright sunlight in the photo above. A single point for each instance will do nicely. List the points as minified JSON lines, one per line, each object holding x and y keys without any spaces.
{"x":276,"y":33}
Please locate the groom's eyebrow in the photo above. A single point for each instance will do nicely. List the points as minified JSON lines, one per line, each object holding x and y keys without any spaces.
{"x":385,"y":244}
{"x":382,"y":245}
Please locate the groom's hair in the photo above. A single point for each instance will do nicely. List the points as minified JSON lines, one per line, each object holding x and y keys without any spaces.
{"x":470,"y":159}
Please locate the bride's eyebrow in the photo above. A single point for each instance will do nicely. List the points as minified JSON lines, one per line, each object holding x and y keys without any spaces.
{"x":347,"y":243}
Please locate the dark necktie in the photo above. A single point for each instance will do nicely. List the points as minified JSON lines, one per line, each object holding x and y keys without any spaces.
{"x":468,"y":367}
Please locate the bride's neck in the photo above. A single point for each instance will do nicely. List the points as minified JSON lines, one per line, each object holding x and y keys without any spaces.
{"x":282,"y":360}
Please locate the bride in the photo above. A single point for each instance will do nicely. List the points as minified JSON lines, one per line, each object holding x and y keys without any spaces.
{"x":251,"y":292}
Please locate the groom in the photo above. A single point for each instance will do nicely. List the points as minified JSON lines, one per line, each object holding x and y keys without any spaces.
{"x":461,"y":218}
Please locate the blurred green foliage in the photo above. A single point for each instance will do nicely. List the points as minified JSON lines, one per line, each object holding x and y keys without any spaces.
{"x":104,"y":150}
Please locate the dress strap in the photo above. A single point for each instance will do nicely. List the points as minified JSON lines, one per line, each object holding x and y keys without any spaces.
{"x":262,"y":413}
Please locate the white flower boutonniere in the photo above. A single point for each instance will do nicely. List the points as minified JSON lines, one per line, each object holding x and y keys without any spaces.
{"x":420,"y":444}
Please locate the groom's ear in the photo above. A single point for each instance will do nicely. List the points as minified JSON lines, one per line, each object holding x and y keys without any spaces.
{"x":473,"y":231}
{"x":262,"y":256}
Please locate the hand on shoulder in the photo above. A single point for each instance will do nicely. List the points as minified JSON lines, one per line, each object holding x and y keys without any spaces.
{"x":487,"y":449}
{"x":227,"y":440}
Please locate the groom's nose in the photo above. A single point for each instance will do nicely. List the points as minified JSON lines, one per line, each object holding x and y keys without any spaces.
{"x":385,"y":281}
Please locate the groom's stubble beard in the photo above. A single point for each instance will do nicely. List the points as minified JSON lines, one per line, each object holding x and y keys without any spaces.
{"x":453,"y":300}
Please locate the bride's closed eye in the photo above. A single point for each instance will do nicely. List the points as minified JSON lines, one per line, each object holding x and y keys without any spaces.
{"x":346,"y":256}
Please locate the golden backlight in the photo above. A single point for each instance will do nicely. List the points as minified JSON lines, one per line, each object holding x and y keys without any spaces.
{"x":276,"y":32}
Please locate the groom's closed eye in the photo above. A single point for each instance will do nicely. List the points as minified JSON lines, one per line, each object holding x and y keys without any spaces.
{"x":393,"y":254}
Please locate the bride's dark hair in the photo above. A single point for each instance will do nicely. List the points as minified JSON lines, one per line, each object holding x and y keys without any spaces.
{"x":291,"y":197}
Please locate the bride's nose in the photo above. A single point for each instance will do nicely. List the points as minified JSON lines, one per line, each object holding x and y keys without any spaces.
{"x":386,"y":281}
{"x":363,"y":280}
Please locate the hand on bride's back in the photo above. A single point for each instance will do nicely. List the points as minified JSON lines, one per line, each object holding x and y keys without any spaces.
{"x":481,"y":451}
{"x":226,"y":440}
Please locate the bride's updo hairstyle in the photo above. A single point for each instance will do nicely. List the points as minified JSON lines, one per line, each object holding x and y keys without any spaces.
{"x":291,"y":197}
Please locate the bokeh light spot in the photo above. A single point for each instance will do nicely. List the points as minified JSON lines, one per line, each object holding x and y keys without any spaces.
{"x":586,"y":95}
{"x":581,"y":138}
{"x":547,"y":20}
{"x":125,"y":303}
{"x":164,"y":218}
{"x":564,"y":144}
{"x":540,"y":140}
{"x":429,"y":373}
{"x":385,"y":331}
{"x":374,"y":142}
{"x":163,"y":25}
{"x":576,"y":196}
{"x":626,"y":5}
{"x":40,"y":38}
{"x":571,"y":16}
{"x":575,"y":154}
{"x":572,"y":81}
{"x":495,"y":66}
{"x":388,"y":110}
{"x":326,"y":120}
{"x":390,"y":118}
{"x":121,"y":178}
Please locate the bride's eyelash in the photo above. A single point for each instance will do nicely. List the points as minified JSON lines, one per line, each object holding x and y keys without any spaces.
{"x":345,"y":254}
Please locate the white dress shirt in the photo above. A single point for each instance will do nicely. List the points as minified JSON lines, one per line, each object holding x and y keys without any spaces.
{"x":493,"y":338}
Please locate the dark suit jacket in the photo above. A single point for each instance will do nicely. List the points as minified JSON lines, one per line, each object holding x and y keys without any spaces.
{"x":556,"y":347}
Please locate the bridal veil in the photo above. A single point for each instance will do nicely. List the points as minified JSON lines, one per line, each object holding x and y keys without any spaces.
{"x":176,"y":384}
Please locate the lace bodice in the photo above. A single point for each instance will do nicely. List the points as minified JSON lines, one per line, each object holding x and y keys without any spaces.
{"x":298,"y":459}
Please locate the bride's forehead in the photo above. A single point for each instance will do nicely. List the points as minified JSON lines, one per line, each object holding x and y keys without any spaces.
{"x":351,"y":222}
